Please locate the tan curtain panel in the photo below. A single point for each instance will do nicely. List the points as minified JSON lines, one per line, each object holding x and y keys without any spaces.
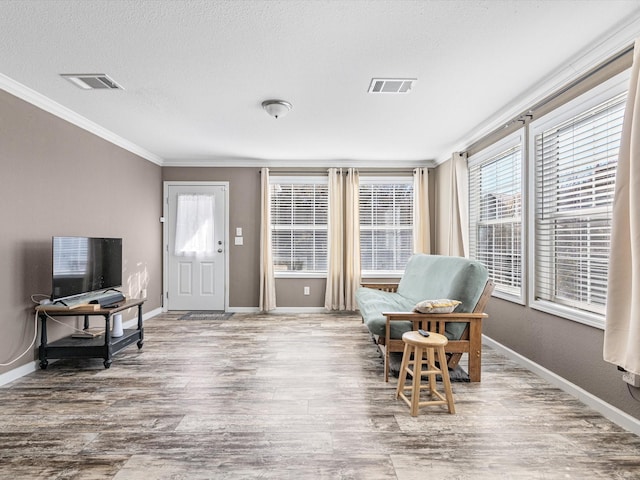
{"x":352,"y":239}
{"x":334,"y":293}
{"x":622,"y":328}
{"x":343,"y":235}
{"x":459,"y":214}
{"x":267,"y":280}
{"x":421,"y":220}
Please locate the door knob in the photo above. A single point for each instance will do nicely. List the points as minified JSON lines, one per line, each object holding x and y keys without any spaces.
{"x":219,"y":250}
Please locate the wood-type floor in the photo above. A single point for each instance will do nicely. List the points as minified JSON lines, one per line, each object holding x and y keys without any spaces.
{"x":290,"y":397}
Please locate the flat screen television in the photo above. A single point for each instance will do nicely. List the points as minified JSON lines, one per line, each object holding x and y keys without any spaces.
{"x":84,"y":265}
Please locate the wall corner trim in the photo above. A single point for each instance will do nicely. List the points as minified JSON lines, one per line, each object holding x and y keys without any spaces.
{"x":607,"y":410}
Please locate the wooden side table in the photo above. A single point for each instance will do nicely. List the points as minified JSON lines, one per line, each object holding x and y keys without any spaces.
{"x":433,"y":346}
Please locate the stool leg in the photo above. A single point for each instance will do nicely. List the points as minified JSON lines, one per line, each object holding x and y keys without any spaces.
{"x":432,"y":367}
{"x":417,"y":377}
{"x":446,"y":381}
{"x":402,"y":376}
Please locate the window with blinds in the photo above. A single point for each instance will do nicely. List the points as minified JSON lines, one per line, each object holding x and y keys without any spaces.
{"x":495,"y":213}
{"x":574,"y":185}
{"x":299,"y":224}
{"x":386,"y":225}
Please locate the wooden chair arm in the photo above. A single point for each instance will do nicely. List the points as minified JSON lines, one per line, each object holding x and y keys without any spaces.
{"x":449,"y":317}
{"x":385,"y":287}
{"x":434,"y":322}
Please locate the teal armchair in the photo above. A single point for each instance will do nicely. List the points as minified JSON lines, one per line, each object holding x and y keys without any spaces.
{"x":388,"y":314}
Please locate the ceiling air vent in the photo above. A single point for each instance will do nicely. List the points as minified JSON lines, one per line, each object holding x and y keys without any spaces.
{"x":91,"y":81}
{"x":391,"y":85}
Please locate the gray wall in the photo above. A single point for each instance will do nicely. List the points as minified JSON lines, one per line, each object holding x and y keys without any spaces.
{"x":567,"y":348}
{"x":57,"y":179}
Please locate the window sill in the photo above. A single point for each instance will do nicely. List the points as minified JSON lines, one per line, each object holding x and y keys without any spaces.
{"x":300,"y":275}
{"x":586,"y":318}
{"x":509,"y":297}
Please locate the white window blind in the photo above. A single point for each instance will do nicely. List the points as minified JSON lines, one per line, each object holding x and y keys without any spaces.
{"x":299,"y":224}
{"x":495,"y":215}
{"x":386,"y":225}
{"x":575,"y":175}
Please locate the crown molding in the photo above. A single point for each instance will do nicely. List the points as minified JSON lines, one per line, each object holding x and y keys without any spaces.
{"x":54,"y":108}
{"x":605,"y":47}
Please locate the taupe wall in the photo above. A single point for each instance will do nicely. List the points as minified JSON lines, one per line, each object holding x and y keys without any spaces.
{"x":244,"y":211}
{"x":244,"y":266}
{"x":567,"y":348}
{"x":57,"y":179}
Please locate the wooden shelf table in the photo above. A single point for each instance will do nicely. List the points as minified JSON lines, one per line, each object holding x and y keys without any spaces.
{"x":102,"y":346}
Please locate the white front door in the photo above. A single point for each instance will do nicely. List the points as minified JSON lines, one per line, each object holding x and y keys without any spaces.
{"x":195,"y":247}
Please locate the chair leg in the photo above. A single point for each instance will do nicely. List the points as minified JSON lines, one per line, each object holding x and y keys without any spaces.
{"x":386,"y":363}
{"x":454,"y":360}
{"x":403,"y":374}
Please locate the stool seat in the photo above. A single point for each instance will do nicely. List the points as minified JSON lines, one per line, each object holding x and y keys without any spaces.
{"x":415,"y":364}
{"x":433,"y":340}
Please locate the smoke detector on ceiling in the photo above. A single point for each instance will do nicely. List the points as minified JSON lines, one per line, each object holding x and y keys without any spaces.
{"x":391,"y":85}
{"x":91,"y":81}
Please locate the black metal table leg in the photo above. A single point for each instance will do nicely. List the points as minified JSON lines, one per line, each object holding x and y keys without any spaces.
{"x":140,"y":328}
{"x":43,"y":342}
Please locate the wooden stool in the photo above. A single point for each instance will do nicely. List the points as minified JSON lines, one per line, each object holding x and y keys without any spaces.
{"x":418,"y":345}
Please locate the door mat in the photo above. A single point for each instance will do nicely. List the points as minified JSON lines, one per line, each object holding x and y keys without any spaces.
{"x":206,"y":315}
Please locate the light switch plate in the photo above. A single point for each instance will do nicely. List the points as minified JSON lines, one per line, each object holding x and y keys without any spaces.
{"x":239,"y":241}
{"x":239,"y":232}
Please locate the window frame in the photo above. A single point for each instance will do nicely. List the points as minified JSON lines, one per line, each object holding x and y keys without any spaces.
{"x":590,"y":99}
{"x":511,"y":141}
{"x":374,"y":180}
{"x":298,"y":180}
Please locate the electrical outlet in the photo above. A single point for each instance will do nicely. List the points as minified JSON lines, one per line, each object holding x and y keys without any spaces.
{"x":307,"y":291}
{"x":631,"y":378}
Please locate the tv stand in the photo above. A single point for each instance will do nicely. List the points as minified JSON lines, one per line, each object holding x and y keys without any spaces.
{"x":102,"y":346}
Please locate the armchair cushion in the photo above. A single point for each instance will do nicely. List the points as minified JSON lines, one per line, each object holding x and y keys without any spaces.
{"x":444,"y":305}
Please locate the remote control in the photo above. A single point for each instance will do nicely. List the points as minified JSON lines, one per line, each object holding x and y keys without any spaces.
{"x":424,"y":333}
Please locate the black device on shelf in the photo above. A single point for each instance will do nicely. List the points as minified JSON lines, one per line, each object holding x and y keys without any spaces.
{"x":109,"y":299}
{"x":84,"y":264}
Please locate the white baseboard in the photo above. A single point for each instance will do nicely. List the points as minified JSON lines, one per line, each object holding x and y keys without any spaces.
{"x":607,"y":410}
{"x":293,"y":310}
{"x":30,"y":367}
{"x":18,"y":372}
{"x":287,"y":310}
{"x":243,"y":310}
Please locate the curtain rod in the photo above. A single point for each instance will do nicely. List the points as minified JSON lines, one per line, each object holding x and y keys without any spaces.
{"x":323,"y":170}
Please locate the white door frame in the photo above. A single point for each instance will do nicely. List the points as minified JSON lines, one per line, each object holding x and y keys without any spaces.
{"x":165,"y":236}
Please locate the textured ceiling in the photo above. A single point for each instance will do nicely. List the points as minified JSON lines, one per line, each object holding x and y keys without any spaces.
{"x":195,"y":72}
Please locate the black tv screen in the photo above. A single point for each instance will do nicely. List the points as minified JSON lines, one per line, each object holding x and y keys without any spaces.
{"x":84,"y":265}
